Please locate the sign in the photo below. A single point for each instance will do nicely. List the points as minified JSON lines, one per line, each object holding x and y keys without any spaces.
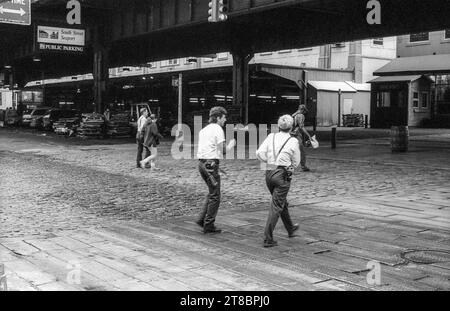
{"x":16,"y":12}
{"x":175,"y":81}
{"x":60,"y":39}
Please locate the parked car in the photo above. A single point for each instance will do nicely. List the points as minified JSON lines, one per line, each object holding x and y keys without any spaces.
{"x":56,"y":114}
{"x":66,"y":126}
{"x":26,"y":117}
{"x":37,"y":116}
{"x":12,"y":117}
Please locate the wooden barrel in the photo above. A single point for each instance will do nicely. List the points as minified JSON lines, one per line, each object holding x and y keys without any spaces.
{"x":3,"y":286}
{"x":399,"y":138}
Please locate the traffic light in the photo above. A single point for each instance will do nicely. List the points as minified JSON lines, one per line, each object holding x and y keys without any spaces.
{"x":222,"y":10}
{"x":212,"y":12}
{"x":218,"y":10}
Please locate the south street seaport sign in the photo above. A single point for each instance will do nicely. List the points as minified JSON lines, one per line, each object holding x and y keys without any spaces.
{"x":60,"y":39}
{"x":15,"y":12}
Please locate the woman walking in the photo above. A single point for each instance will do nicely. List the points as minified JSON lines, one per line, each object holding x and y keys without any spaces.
{"x":151,"y":141}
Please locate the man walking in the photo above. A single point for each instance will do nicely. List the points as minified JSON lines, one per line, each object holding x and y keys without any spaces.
{"x":140,"y":137}
{"x":299,"y":131}
{"x":210,"y":150}
{"x":281,"y":153}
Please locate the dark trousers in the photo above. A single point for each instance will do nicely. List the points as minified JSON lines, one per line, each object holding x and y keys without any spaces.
{"x":302,"y":150}
{"x":211,"y":206}
{"x":278,"y":186}
{"x":141,"y":148}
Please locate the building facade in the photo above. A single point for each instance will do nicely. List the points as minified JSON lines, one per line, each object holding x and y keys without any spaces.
{"x":270,"y":93}
{"x":421,"y":72}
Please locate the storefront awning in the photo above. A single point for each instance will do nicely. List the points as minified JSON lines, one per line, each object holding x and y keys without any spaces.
{"x":295,"y":74}
{"x":331,"y":86}
{"x":418,"y":65}
{"x":409,"y":78}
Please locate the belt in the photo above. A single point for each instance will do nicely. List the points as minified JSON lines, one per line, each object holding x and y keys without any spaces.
{"x":206,"y":160}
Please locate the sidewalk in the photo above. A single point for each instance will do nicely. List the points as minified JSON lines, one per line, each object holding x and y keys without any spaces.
{"x":359,"y":207}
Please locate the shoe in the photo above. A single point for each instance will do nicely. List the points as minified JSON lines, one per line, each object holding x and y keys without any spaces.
{"x":294,"y":228}
{"x":142,"y":164}
{"x":305,"y":169}
{"x":212,"y":230}
{"x":270,"y":243}
{"x":138,"y":165}
{"x":200,"y":223}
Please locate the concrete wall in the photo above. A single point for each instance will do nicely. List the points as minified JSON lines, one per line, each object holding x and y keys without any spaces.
{"x":327,"y":107}
{"x":375,"y":56}
{"x":361,"y":103}
{"x":437,"y":44}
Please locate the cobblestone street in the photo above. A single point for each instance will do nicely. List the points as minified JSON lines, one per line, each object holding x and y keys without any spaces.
{"x":65,"y":205}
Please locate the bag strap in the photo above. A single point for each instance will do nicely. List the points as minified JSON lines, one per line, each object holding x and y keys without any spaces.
{"x":275,"y":156}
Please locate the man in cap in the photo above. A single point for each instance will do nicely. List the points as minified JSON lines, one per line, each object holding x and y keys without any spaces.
{"x":140,"y":137}
{"x":281,"y":153}
{"x":210,"y":150}
{"x":299,"y":131}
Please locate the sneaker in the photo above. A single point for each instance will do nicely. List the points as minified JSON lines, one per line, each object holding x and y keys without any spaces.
{"x":142,"y":164}
{"x":294,"y":228}
{"x":305,"y":169}
{"x":200,"y":223}
{"x":138,"y":165}
{"x":212,"y":230}
{"x":270,"y":243}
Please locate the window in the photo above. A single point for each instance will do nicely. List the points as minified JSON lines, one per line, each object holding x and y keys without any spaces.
{"x":339,"y":45}
{"x":424,"y":103}
{"x":378,"y":41}
{"x":170,"y":62}
{"x":383,"y":99}
{"x":222,"y":56}
{"x":447,"y":34}
{"x":418,"y":37}
{"x":416,"y":100}
{"x":284,"y":51}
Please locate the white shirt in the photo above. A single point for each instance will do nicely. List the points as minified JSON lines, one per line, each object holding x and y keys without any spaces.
{"x":208,"y":140}
{"x":289,"y":156}
{"x":140,"y":123}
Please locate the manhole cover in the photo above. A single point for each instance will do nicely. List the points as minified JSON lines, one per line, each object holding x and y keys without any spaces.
{"x":427,"y":256}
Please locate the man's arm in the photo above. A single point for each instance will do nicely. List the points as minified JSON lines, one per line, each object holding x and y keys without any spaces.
{"x":296,"y":154}
{"x":261,"y":153}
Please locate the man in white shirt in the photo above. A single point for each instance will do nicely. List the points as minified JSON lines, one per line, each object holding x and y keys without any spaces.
{"x":281,"y":153}
{"x":140,"y":137}
{"x":210,"y":150}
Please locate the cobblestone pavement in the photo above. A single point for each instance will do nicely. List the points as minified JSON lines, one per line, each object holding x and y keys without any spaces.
{"x":87,"y":203}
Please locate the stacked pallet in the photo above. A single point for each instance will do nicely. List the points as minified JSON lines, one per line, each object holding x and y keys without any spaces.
{"x":119,"y":125}
{"x":353,"y":120}
{"x":92,"y":126}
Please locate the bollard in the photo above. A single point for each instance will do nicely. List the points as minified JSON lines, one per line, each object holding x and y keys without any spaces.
{"x":3,"y":285}
{"x":333,"y":138}
{"x":399,"y":138}
{"x":366,"y":121}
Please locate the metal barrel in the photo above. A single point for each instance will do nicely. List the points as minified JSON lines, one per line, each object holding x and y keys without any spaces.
{"x":399,"y":138}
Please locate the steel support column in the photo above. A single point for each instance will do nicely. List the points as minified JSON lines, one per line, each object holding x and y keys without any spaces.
{"x":241,"y":59}
{"x":100,"y":70}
